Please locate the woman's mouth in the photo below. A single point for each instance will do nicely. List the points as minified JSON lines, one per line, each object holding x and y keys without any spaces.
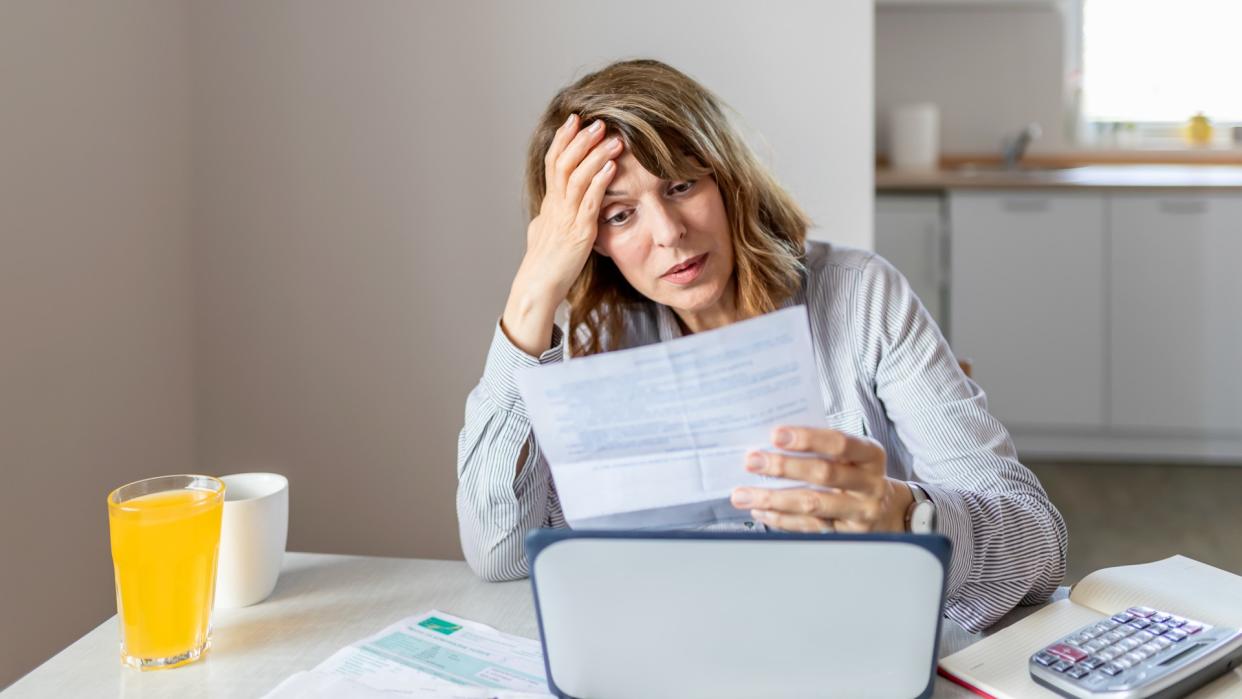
{"x":685,"y":272}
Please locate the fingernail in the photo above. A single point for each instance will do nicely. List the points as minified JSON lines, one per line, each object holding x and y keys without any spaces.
{"x":741,"y":498}
{"x":570,"y":120}
{"x":761,"y":515}
{"x":754,"y":462}
{"x":613,"y":142}
{"x":782,"y":438}
{"x":596,"y":126}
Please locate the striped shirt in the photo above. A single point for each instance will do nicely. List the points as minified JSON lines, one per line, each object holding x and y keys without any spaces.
{"x":885,"y":372}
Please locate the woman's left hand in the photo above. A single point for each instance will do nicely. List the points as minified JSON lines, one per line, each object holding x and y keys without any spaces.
{"x":860,"y":497}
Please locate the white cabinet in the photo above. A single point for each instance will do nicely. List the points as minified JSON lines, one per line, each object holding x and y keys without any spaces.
{"x":1176,"y":313}
{"x":909,"y":232}
{"x":1027,"y":303}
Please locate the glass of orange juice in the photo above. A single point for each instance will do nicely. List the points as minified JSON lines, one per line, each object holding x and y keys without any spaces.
{"x":165,"y":540}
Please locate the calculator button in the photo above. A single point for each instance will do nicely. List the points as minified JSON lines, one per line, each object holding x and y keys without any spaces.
{"x":1125,"y":630}
{"x":1112,"y":669}
{"x":1114,"y":636}
{"x":1122,"y":618}
{"x":1078,"y":672}
{"x":1129,"y":643}
{"x":1175,"y":635}
{"x":1141,"y":611}
{"x":1174,"y":621}
{"x":1044,"y":658}
{"x":1162,"y":642}
{"x":1134,"y":657}
{"x":1192,"y":628}
{"x":1159,"y":617}
{"x":1062,"y":665}
{"x":1067,"y":652}
{"x":1140,"y":624}
{"x":1150,"y":648}
{"x":1143,"y":636}
{"x":1104,"y":627}
{"x":1110,"y":653}
{"x":1095,"y":645}
{"x":1093,"y":662}
{"x":1123,"y":662}
{"x":1157,"y":629}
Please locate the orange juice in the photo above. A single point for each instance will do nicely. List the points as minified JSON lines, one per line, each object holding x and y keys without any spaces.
{"x":164,"y":551}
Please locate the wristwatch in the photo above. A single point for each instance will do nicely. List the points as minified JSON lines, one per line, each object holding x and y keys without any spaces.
{"x":921,"y":514}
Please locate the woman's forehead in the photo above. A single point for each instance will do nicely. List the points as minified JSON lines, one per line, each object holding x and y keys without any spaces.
{"x":631,"y":177}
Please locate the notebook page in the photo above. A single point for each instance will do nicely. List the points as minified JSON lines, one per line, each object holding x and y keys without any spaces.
{"x":997,"y":664}
{"x":1177,"y":584}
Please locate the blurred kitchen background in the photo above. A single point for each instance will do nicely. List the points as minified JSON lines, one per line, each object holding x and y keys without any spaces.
{"x":276,"y":235}
{"x":1062,"y":182}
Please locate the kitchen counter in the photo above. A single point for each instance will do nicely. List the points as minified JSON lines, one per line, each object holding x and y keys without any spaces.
{"x":1116,"y":177}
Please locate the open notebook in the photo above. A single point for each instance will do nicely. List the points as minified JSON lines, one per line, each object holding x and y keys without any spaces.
{"x":997,"y":665}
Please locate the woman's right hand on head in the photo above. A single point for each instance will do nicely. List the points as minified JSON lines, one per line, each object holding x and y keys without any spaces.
{"x":578,"y":166}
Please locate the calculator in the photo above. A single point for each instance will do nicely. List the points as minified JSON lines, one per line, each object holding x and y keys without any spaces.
{"x":1141,"y":652}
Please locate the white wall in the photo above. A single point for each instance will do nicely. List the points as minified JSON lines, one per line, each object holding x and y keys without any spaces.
{"x":358,"y":214}
{"x":95,"y":357}
{"x":991,"y":70}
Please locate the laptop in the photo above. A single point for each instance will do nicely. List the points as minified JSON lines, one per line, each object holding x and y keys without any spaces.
{"x":715,"y":614}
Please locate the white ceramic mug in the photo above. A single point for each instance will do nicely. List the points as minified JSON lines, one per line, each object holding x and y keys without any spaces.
{"x":252,"y":537}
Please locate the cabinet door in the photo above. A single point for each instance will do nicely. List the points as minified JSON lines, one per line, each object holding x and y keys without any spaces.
{"x":1176,"y":321}
{"x":908,"y":233}
{"x":1027,"y":288}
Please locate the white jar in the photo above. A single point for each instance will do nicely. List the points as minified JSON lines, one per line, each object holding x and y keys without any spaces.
{"x":914,"y":137}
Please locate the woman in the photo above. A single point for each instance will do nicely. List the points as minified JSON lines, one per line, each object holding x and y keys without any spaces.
{"x":653,"y":220}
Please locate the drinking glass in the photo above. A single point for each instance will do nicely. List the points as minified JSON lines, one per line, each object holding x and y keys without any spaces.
{"x":165,"y":543}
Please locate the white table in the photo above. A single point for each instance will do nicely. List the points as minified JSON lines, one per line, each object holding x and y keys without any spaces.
{"x":322,"y":602}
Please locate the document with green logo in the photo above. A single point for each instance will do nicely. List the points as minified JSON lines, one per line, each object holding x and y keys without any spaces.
{"x":433,"y":654}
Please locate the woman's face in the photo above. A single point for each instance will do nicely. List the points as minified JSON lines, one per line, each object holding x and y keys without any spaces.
{"x":669,"y":239}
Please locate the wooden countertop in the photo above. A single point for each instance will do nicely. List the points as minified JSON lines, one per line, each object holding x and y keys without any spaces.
{"x":1118,"y":177}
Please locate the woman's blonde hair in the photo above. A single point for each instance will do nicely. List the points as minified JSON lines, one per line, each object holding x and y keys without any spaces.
{"x":676,"y":130}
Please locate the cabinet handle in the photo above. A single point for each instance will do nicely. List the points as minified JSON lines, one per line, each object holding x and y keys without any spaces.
{"x":1176,"y":206}
{"x":1026,"y":206}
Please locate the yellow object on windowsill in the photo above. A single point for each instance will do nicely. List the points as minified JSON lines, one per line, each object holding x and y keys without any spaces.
{"x":1198,"y":131}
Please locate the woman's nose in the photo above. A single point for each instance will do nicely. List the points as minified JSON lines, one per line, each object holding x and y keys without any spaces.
{"x":667,"y":228}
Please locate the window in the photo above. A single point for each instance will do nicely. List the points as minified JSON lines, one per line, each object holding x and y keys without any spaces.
{"x":1155,"y":63}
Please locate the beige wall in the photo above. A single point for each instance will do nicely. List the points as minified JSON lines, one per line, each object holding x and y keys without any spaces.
{"x":95,"y":357}
{"x":276,"y":235}
{"x":991,"y":69}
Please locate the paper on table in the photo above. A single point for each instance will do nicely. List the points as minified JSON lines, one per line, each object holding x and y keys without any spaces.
{"x":655,"y":437}
{"x":428,"y":655}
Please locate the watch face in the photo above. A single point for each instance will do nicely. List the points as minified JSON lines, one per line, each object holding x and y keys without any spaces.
{"x":922,"y":518}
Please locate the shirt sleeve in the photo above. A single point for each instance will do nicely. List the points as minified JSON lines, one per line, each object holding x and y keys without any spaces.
{"x":1009,"y":541}
{"x":496,"y":504}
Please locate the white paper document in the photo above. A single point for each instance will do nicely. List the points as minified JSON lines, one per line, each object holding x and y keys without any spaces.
{"x":656,"y":436}
{"x":428,"y":655}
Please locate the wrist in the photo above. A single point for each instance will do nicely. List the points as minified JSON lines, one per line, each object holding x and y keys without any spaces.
{"x":901,"y":499}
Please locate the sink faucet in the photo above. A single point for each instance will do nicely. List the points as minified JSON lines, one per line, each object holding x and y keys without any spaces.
{"x":1015,"y":148}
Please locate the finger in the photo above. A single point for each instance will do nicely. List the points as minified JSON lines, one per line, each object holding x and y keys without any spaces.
{"x":833,"y":444}
{"x":563,"y":135}
{"x":804,"y":501}
{"x":793,"y":523}
{"x":584,"y":174}
{"x":814,"y":470}
{"x":573,"y":154}
{"x":588,"y":210}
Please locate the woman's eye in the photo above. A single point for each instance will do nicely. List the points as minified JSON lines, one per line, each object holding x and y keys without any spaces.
{"x":618,"y":219}
{"x":682,"y":187}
